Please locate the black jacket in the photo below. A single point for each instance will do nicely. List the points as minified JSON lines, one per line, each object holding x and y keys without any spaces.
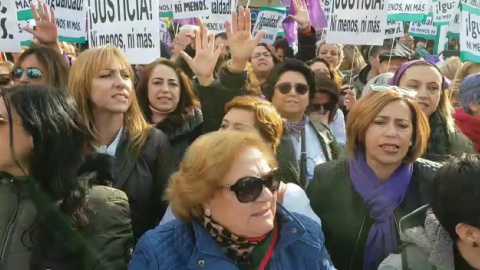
{"x":345,"y":220}
{"x":144,"y":178}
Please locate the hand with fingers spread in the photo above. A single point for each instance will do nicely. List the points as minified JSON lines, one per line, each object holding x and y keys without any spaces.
{"x":350,"y":99}
{"x":46,"y":30}
{"x":240,"y":40}
{"x":203,"y":64}
{"x":302,"y":18}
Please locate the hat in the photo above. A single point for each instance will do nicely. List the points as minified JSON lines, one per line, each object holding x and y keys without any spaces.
{"x":470,"y":83}
{"x":394,"y":54}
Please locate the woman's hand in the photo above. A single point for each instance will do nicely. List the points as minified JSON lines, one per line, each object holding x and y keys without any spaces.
{"x":239,"y":34}
{"x":46,"y":30}
{"x":203,"y":64}
{"x":302,"y":18}
{"x":349,"y":99}
{"x":320,"y":117}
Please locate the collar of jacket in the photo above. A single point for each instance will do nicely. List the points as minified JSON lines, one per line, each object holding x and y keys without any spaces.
{"x":291,"y":229}
{"x":190,"y":124}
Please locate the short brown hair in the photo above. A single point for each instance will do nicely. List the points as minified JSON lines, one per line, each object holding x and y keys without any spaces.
{"x":204,"y":167}
{"x":267,"y":120}
{"x":368,"y":107}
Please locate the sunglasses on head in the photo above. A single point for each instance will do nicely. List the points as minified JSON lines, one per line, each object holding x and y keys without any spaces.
{"x":286,"y":87}
{"x":32,"y":73}
{"x":248,"y":189}
{"x":403,"y":91}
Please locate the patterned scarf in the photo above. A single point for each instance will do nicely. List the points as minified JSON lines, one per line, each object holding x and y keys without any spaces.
{"x":239,"y":249}
{"x":439,"y":141}
{"x":296,"y":128}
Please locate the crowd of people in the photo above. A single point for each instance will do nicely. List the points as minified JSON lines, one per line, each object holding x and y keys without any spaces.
{"x":228,"y":153}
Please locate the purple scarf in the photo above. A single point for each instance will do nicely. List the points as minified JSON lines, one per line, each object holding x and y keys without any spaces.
{"x":380,"y":200}
{"x":296,"y":128}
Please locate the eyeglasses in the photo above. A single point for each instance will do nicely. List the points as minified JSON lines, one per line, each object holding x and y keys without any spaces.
{"x":4,"y":79}
{"x":286,"y":87}
{"x":32,"y":73}
{"x":405,"y":92}
{"x":264,"y":54}
{"x":248,"y":189}
{"x":326,"y":107}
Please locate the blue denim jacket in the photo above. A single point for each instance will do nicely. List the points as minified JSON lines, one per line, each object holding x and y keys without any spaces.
{"x":177,"y":245}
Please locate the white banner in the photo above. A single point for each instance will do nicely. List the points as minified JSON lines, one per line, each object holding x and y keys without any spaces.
{"x":134,"y":28}
{"x":470,"y":34}
{"x":185,"y":9}
{"x":423,"y":29}
{"x":326,"y":4}
{"x":165,"y":8}
{"x":70,"y":16}
{"x":408,"y":10}
{"x":221,"y":11}
{"x":269,"y":20}
{"x":9,"y":37}
{"x":164,"y":34}
{"x":444,"y":11}
{"x":394,"y":29}
{"x":357,"y":22}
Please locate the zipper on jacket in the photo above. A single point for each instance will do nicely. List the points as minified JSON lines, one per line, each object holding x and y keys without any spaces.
{"x":358,"y":241}
{"x":8,"y":234}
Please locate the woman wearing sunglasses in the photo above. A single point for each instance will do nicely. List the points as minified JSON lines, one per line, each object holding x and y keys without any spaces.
{"x":304,"y":144}
{"x":6,"y":68}
{"x":40,"y":65}
{"x":50,"y":218}
{"x":428,"y":81}
{"x":225,"y":197}
{"x":360,"y":199}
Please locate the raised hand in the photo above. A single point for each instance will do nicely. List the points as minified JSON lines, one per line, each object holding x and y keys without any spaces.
{"x":350,"y":99}
{"x":241,"y":43}
{"x":302,"y":18}
{"x":203,"y":64}
{"x":46,"y":30}
{"x":320,"y":117}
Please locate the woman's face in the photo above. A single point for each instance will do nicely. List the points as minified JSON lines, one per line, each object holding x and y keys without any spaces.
{"x":5,"y":78}
{"x":329,"y":53}
{"x":262,"y":60}
{"x":112,"y":89}
{"x":389,"y":136}
{"x":30,"y":72}
{"x":320,"y":67}
{"x":164,"y":89}
{"x":22,"y":143}
{"x":427,"y":81}
{"x":321,"y":99}
{"x":291,"y":103}
{"x":254,"y":219}
{"x":280,"y":54}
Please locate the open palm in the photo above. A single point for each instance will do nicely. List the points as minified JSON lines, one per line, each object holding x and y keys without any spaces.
{"x":46,"y":30}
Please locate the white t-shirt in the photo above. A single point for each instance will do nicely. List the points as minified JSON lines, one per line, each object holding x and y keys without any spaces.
{"x":294,"y":200}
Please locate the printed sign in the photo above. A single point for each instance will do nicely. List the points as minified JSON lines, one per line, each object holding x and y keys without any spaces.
{"x":164,"y":34}
{"x":444,"y":11}
{"x":269,"y":20}
{"x":185,"y":9}
{"x":70,"y":17}
{"x":423,"y":29}
{"x":165,"y":8}
{"x":357,"y":22}
{"x":394,"y":29}
{"x":408,"y":10}
{"x":469,"y":33}
{"x":130,"y":25}
{"x":9,"y":37}
{"x":221,"y":11}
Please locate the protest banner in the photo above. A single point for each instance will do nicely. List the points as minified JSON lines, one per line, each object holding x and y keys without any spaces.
{"x":326,"y":4}
{"x":269,"y":20}
{"x":164,"y":34}
{"x":221,"y":11}
{"x":131,"y":25}
{"x":454,"y":26}
{"x":441,"y":42}
{"x":185,"y":9}
{"x":423,"y":29}
{"x":394,"y":29}
{"x":165,"y":8}
{"x":357,"y":22}
{"x":408,"y":10}
{"x":470,"y":33}
{"x":9,"y":38}
{"x":444,"y":11}
{"x":70,"y":17}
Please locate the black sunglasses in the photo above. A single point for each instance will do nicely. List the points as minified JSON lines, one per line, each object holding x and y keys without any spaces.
{"x":285,"y":88}
{"x":326,"y":107}
{"x":248,"y":189}
{"x":32,"y":73}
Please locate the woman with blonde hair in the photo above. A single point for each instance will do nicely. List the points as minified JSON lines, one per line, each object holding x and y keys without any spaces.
{"x":101,"y":82}
{"x":463,"y":71}
{"x":360,"y":198}
{"x":225,"y":199}
{"x":352,"y":63}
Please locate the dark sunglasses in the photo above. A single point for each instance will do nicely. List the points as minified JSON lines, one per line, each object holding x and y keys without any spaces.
{"x":248,"y":189}
{"x":32,"y":73}
{"x":286,"y":87}
{"x":4,"y":79}
{"x":326,"y":107}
